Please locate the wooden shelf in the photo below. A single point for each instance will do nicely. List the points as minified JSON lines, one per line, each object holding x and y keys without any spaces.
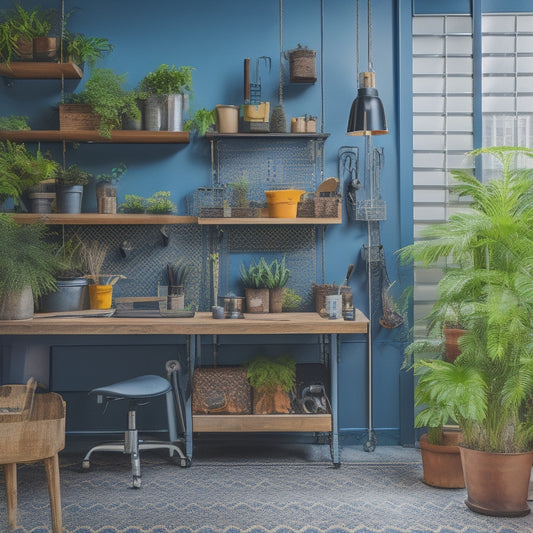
{"x":215,"y":135}
{"x":44,"y":70}
{"x":266,"y":220}
{"x":260,"y":423}
{"x":99,"y":219}
{"x":119,"y":136}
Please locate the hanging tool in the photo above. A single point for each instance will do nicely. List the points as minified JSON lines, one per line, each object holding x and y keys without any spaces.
{"x":278,"y":121}
{"x":256,"y":113}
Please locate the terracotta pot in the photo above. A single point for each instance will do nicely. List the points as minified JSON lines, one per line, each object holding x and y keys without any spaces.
{"x":275,"y":300}
{"x":45,"y":48}
{"x":24,"y":49}
{"x":257,"y":300}
{"x":442,"y":462}
{"x":451,"y":336}
{"x":271,"y":402}
{"x":497,"y":483}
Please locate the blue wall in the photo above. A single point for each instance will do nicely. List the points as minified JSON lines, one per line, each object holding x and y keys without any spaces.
{"x":214,"y":37}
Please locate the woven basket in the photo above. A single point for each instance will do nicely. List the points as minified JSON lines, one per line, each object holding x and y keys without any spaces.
{"x":302,"y":66}
{"x":223,"y":390}
{"x":321,"y":291}
{"x":16,"y":401}
{"x":77,"y":117}
{"x":306,"y":209}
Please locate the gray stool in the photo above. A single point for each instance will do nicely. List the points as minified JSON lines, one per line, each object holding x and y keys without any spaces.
{"x":137,"y":391}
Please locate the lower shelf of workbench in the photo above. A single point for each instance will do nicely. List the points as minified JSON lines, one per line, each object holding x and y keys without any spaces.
{"x":260,"y":423}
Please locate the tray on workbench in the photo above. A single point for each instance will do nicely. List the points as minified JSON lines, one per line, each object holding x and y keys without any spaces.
{"x":148,"y":307}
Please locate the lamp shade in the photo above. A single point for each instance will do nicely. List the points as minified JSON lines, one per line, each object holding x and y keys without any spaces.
{"x":367,"y":116}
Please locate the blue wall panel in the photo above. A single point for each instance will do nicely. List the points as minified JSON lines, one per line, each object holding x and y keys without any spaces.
{"x":214,"y":37}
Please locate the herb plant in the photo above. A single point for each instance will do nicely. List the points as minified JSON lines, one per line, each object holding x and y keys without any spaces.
{"x":160,"y":203}
{"x":253,"y":277}
{"x":168,"y":79}
{"x":133,"y":204}
{"x":82,"y":49}
{"x":114,"y":175}
{"x":276,"y":273}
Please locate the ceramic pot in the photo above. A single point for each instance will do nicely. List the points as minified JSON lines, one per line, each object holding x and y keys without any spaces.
{"x":442,"y":462}
{"x":69,"y":198}
{"x":45,"y":48}
{"x":257,"y":300}
{"x":497,"y":483}
{"x":451,"y":336}
{"x":16,"y":306}
{"x":71,"y":295}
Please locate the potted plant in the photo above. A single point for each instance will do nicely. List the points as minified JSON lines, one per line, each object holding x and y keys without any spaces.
{"x":71,"y":292}
{"x":291,"y":300}
{"x":240,"y":204}
{"x":177,"y":276}
{"x":101,"y":105}
{"x":25,"y":33}
{"x":80,"y":49}
{"x":272,"y":380}
{"x":202,"y":121}
{"x":160,"y":203}
{"x":276,"y":277}
{"x":20,"y":170}
{"x":488,"y":389}
{"x":28,"y":263}
{"x":69,"y":188}
{"x":167,"y":91}
{"x":255,"y":289}
{"x":106,"y":189}
{"x":101,"y":289}
{"x":132,"y":204}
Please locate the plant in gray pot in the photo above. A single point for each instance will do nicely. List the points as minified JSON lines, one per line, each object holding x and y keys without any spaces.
{"x":69,"y":188}
{"x":167,"y":97}
{"x":27,"y":263}
{"x":72,"y":287}
{"x":255,"y":288}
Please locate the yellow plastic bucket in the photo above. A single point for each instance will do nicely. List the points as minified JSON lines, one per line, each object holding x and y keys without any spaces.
{"x":284,"y":203}
{"x":100,"y":296}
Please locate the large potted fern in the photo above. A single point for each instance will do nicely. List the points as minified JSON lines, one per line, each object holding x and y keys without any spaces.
{"x":27,"y":265}
{"x":488,"y":389}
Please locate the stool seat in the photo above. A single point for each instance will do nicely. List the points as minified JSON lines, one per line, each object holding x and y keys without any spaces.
{"x":147,"y":386}
{"x":136,"y":391}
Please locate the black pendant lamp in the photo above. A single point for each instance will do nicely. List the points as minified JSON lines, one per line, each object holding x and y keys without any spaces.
{"x":367,"y":115}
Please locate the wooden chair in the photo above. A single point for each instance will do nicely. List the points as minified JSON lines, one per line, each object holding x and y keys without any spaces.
{"x":32,"y":428}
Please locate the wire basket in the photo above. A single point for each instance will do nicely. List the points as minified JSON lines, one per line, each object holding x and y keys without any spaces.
{"x":211,"y":202}
{"x":369,"y":210}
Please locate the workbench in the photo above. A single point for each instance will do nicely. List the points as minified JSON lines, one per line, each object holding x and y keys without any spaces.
{"x":204,"y":324}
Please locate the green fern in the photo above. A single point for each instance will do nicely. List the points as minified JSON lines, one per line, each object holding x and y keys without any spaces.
{"x":488,"y":389}
{"x":266,"y":373}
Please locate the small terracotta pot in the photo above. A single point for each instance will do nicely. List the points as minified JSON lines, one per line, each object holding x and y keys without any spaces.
{"x":442,"y":462}
{"x":497,"y":483}
{"x":24,"y":49}
{"x":45,"y":48}
{"x":275,"y":300}
{"x":451,"y":336}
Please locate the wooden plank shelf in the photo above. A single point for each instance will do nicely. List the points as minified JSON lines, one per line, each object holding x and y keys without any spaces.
{"x":260,"y":423}
{"x":216,"y":135}
{"x":43,"y":70}
{"x":100,"y":219}
{"x":117,"y":136}
{"x":266,"y":220}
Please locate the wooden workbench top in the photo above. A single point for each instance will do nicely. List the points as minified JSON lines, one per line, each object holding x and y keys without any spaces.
{"x":201,"y":324}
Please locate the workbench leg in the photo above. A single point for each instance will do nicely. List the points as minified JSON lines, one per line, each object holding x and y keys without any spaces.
{"x":194,"y":345}
{"x":333,"y":365}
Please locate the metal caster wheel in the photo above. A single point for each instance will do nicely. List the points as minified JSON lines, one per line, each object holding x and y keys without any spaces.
{"x":85,"y":465}
{"x":369,"y":446}
{"x":185,"y":462}
{"x":336,"y":465}
{"x":136,"y":482}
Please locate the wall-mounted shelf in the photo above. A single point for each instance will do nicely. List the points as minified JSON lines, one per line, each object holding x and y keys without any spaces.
{"x":118,"y":136}
{"x":267,"y":221}
{"x":96,"y":218}
{"x":31,"y":70}
{"x":215,"y":135}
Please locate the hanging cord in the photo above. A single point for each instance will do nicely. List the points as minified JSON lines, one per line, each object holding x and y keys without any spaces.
{"x":281,"y":52}
{"x":323,"y":113}
{"x":370,"y":63}
{"x":357,"y":41}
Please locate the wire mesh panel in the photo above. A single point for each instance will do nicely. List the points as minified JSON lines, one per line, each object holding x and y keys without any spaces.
{"x":146,"y":258}
{"x":268,"y":163}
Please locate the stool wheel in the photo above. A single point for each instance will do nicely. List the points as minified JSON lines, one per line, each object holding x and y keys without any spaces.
{"x":185,"y":462}
{"x":136,"y":482}
{"x":85,"y":465}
